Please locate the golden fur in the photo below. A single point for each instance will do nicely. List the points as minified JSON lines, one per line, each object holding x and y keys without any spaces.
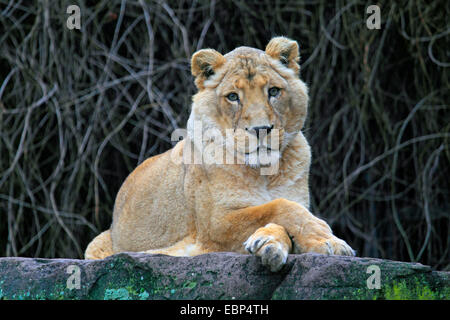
{"x":170,"y":206}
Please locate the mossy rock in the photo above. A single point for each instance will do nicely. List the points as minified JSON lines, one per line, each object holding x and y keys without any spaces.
{"x":137,"y":276}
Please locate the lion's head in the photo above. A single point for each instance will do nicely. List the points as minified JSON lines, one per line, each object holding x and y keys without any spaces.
{"x":254,"y":96}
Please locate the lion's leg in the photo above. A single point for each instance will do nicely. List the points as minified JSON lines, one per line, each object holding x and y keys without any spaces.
{"x":308,"y":233}
{"x":100,"y":247}
{"x":186,"y":247}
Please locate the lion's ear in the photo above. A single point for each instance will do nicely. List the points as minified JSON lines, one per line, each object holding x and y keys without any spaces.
{"x":204,"y":63}
{"x":285,"y":50}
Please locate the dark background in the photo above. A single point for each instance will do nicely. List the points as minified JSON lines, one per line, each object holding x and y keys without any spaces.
{"x":80,"y":109}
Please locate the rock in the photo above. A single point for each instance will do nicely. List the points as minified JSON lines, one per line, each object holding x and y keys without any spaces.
{"x":219,"y":276}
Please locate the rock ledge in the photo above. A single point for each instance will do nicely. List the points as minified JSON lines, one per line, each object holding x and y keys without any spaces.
{"x":219,"y":276}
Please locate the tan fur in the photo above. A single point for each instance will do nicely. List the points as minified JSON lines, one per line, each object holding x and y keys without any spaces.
{"x":172,"y":207}
{"x":100,"y":247}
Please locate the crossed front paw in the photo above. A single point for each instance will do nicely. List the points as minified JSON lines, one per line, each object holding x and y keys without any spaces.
{"x":272,"y":244}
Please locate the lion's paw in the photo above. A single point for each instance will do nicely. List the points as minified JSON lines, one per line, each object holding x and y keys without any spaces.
{"x":273,"y":251}
{"x":333,"y":246}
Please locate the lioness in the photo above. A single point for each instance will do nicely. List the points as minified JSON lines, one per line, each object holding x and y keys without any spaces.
{"x":172,"y":206}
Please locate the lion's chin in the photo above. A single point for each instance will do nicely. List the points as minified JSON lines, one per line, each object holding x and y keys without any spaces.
{"x":262,"y":157}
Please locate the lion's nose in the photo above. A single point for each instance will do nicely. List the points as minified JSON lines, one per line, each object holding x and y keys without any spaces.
{"x":263,"y":130}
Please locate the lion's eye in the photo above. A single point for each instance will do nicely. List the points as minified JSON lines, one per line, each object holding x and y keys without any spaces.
{"x":233,"y":96}
{"x":273,"y":92}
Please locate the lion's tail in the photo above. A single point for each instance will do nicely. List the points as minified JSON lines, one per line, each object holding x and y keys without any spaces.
{"x":100,"y":247}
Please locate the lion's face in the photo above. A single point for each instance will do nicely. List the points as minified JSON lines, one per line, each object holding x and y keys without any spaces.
{"x":249,"y":100}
